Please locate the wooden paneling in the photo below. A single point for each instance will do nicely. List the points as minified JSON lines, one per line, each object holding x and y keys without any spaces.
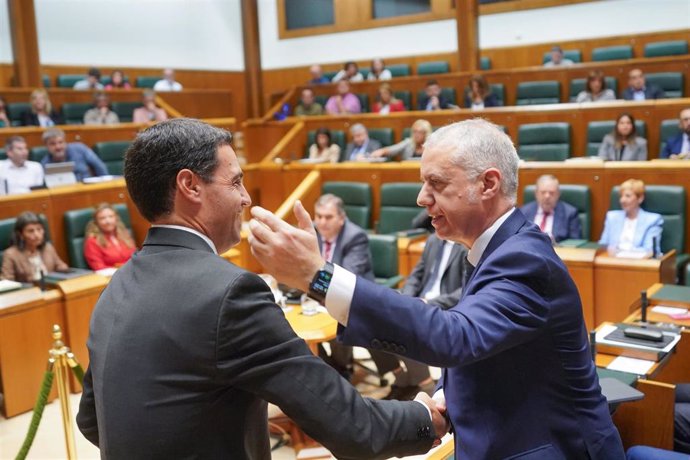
{"x":6,"y":75}
{"x":24,"y":42}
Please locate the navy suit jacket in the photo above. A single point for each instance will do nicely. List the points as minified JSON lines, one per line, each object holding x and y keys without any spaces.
{"x":352,"y":250}
{"x":519,"y":379}
{"x":566,"y":223}
{"x":650,"y":92}
{"x":672,"y":146}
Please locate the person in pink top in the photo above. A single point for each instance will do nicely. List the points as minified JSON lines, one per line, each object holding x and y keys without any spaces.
{"x":149,"y":111}
{"x":344,"y":102}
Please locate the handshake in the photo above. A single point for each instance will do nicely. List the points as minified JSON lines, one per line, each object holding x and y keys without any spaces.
{"x":439,"y":416}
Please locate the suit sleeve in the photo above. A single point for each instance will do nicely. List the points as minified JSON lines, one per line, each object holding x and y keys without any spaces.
{"x":356,"y":256}
{"x":86,"y":417}
{"x":258,"y":352}
{"x":8,"y":268}
{"x":574,"y":227}
{"x":447,"y":301}
{"x":654,"y":231}
{"x":605,"y":149}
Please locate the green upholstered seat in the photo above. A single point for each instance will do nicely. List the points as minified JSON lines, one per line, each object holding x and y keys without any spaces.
{"x":432,"y":67}
{"x":146,"y":81}
{"x":75,"y":231}
{"x":384,"y":258}
{"x":337,"y":137}
{"x":578,"y":196}
{"x":447,"y":93}
{"x":544,"y":141}
{"x":74,"y":112}
{"x":671,"y":82}
{"x":612,"y":53}
{"x":666,"y":48}
{"x":573,"y":55}
{"x":363,"y":101}
{"x":538,"y":92}
{"x":669,"y":201}
{"x":485,"y":63}
{"x":667,"y":129}
{"x":68,"y":80}
{"x":6,"y":229}
{"x":578,"y":84}
{"x":405,"y":97}
{"x":365,"y":71}
{"x":330,"y":74}
{"x":15,"y":111}
{"x":37,"y":153}
{"x":399,"y":70}
{"x":321,"y":99}
{"x":383,"y":135}
{"x":45,"y":79}
{"x":3,"y":154}
{"x":499,"y":90}
{"x":596,"y":130}
{"x":125,"y":110}
{"x":398,"y":206}
{"x":357,"y":199}
{"x":113,"y":155}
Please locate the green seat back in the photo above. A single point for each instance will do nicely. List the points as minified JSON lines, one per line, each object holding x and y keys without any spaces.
{"x":573,"y":55}
{"x":383,"y":135}
{"x":485,"y":63}
{"x":499,"y":90}
{"x":363,"y":101}
{"x":612,"y":53}
{"x":398,"y":206}
{"x":384,"y":259}
{"x":671,"y":82}
{"x":399,"y":70}
{"x":538,"y":92}
{"x":68,"y":80}
{"x":578,"y":196}
{"x":146,"y":81}
{"x":6,"y":230}
{"x":357,"y":199}
{"x":667,"y":129}
{"x":3,"y":154}
{"x":578,"y":84}
{"x":37,"y":153}
{"x":365,"y":71}
{"x":45,"y":79}
{"x":75,"y":231}
{"x":432,"y":67}
{"x":596,"y":130}
{"x":544,"y":141}
{"x":74,"y":112}
{"x":125,"y":110}
{"x":321,"y":99}
{"x":330,"y":75}
{"x":337,"y":137}
{"x":668,"y":48}
{"x":113,"y":155}
{"x":669,"y":201}
{"x":405,"y":97}
{"x":15,"y":111}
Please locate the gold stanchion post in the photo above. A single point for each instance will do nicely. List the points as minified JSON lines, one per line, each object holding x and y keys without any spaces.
{"x":59,"y":354}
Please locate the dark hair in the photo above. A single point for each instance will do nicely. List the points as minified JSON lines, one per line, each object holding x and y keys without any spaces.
{"x":326,"y":132}
{"x":616,"y":134}
{"x":94,"y":72}
{"x":349,"y":63}
{"x":160,"y":152}
{"x":112,"y":79}
{"x":483,"y":85}
{"x":23,"y":220}
{"x":9,"y":142}
{"x":432,"y":82}
{"x":595,"y":75}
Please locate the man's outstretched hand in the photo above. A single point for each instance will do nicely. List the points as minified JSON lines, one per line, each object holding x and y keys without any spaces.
{"x":290,"y":254}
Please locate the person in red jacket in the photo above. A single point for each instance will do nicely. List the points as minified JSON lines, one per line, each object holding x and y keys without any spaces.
{"x":108,"y":243}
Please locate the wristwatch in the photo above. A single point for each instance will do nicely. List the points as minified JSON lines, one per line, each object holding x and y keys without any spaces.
{"x":320,"y":283}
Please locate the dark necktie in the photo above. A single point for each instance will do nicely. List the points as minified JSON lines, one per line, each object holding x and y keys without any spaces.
{"x":467,"y":270}
{"x":542,"y":225}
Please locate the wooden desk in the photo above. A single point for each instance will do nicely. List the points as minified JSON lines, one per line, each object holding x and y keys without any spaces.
{"x":580,"y":264}
{"x":312,"y":329}
{"x":26,"y":321}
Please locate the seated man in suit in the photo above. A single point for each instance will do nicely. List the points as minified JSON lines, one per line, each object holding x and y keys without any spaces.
{"x":185,"y":348}
{"x":362,"y":146}
{"x":678,"y":146}
{"x":433,"y":98}
{"x":638,"y":90}
{"x":554,"y":217}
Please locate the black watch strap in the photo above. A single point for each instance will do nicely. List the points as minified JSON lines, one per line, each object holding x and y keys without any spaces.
{"x":321,"y":282}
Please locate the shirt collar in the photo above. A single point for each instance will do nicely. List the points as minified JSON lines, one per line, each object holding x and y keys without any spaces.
{"x":475,"y":253}
{"x":195,"y":232}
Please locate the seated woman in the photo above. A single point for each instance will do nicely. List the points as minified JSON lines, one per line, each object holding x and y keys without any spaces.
{"x":379,"y":71}
{"x":410,"y":148}
{"x":479,"y":95}
{"x":117,"y":81}
{"x":4,"y":118}
{"x":595,"y":89}
{"x":323,"y":150}
{"x":623,"y":144}
{"x":350,"y":72}
{"x":30,"y":256}
{"x":149,"y":111}
{"x":632,"y":228}
{"x":108,"y":243}
{"x":41,"y":112}
{"x":101,"y":113}
{"x":387,"y":102}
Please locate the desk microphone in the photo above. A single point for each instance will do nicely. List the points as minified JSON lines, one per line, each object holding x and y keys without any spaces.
{"x":644,"y":303}
{"x":593,"y":345}
{"x":655,"y":253}
{"x":42,"y":281}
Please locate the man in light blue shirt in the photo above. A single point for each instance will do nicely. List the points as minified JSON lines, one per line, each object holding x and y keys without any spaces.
{"x":86,"y":162}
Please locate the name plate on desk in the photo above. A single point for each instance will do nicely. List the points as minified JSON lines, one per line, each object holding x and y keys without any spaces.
{"x":611,"y":339}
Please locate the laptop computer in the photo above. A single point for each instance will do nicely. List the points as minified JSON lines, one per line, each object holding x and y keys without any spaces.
{"x":58,"y":174}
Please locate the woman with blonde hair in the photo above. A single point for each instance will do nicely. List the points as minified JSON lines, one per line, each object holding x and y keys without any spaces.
{"x":387,"y":102}
{"x":41,"y":112}
{"x":410,"y":148}
{"x":108,"y":243}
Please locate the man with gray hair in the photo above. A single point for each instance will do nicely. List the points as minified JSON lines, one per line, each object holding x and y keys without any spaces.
{"x":554,"y":217}
{"x":17,"y":173}
{"x":86,"y":162}
{"x":518,"y":378}
{"x":361,"y":147}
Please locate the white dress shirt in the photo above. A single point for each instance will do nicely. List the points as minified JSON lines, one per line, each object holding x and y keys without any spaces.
{"x":548,"y":227}
{"x":195,"y":232}
{"x":627,"y":234}
{"x":166,"y":85}
{"x":435,"y":290}
{"x":19,"y":179}
{"x":685,"y":146}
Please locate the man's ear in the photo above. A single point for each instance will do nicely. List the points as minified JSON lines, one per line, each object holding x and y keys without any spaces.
{"x":491,"y":182}
{"x":188,"y":185}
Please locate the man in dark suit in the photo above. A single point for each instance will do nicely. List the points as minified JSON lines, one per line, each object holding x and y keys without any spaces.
{"x":678,"y":146}
{"x":433,"y":98}
{"x":185,"y":348}
{"x":519,"y":380}
{"x":638,"y":90}
{"x":361,"y":146}
{"x":554,"y":217}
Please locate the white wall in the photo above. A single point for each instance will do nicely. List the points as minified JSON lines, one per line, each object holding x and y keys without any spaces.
{"x":548,"y":25}
{"x":184,"y":34}
{"x":5,"y":37}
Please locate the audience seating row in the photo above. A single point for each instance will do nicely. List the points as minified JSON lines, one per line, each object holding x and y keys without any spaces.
{"x":73,"y":112}
{"x":68,"y":80}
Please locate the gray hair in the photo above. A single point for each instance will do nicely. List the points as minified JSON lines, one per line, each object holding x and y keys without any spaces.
{"x":358,"y":127}
{"x":477,"y":145}
{"x":547,"y":178}
{"x":9,"y":142}
{"x":329,"y":198}
{"x":51,"y":133}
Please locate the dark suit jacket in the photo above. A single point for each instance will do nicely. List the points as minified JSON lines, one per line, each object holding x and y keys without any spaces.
{"x":490,"y":100}
{"x":650,"y":92}
{"x":566,"y":223}
{"x":31,"y":119}
{"x":451,"y":280}
{"x":372,"y":145}
{"x":424,"y":100}
{"x":186,"y":349}
{"x":672,"y":146}
{"x":519,"y":378}
{"x":352,"y":250}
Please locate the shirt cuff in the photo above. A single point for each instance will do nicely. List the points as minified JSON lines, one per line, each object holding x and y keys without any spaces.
{"x":340,"y":292}
{"x":427,"y":409}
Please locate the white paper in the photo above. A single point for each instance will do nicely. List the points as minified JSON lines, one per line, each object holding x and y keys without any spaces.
{"x":110,"y":271}
{"x":631,"y":365}
{"x":633,"y":254}
{"x":669,"y":310}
